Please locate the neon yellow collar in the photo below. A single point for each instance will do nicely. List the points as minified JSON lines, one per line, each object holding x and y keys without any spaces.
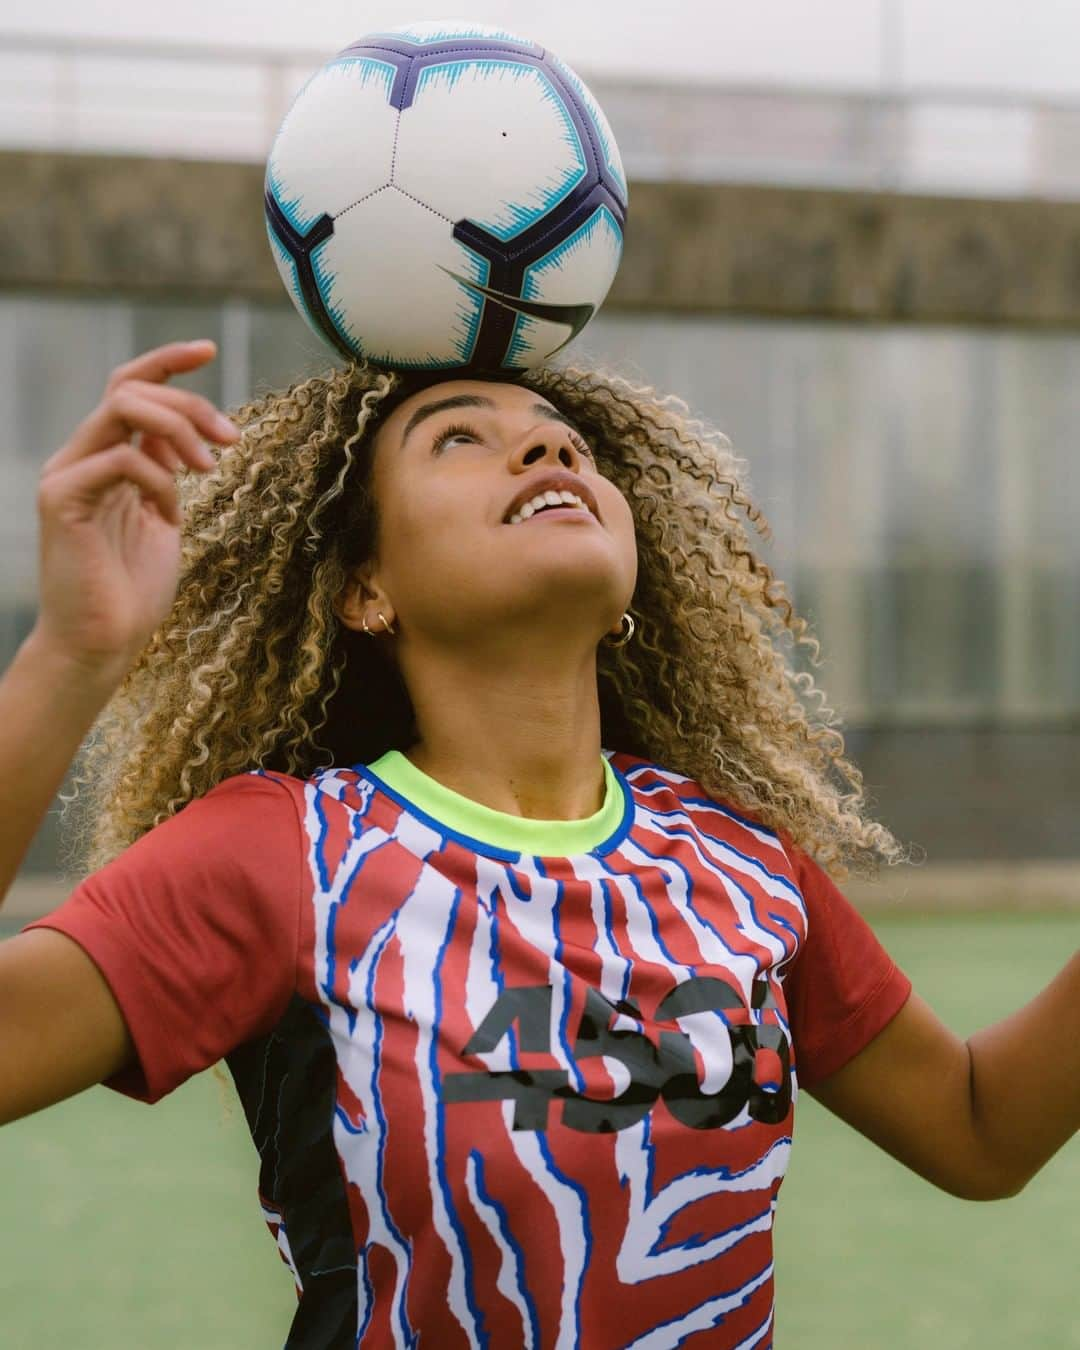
{"x":497,"y":829}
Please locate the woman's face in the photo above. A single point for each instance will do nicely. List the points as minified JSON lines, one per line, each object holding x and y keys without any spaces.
{"x":459,"y":552}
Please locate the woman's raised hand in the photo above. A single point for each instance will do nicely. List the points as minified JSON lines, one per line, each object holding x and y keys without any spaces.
{"x":109,"y":512}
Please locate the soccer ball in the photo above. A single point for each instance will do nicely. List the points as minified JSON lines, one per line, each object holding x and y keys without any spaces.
{"x":446,"y":196}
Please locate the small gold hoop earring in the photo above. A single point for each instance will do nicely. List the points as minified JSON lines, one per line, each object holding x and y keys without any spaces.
{"x":371,"y":632}
{"x":624,"y":638}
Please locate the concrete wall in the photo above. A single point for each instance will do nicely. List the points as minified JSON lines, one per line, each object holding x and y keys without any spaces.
{"x":174,"y":227}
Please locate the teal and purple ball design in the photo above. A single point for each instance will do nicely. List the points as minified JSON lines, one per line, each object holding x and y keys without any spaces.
{"x":446,"y":196}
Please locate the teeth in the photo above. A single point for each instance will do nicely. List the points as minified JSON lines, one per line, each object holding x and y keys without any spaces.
{"x":542,"y":499}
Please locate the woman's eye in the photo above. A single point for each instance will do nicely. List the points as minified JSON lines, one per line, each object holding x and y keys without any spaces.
{"x":450,"y":433}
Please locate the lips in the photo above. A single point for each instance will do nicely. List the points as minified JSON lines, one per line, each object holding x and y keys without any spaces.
{"x":556,"y":481}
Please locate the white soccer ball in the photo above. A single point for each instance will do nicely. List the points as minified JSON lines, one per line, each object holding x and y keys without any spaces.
{"x":446,"y":196}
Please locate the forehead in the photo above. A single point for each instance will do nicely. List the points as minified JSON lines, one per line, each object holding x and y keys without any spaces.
{"x":504,"y":396}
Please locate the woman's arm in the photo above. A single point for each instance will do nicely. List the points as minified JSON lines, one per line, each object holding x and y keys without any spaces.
{"x":109,"y":550}
{"x":978,"y":1118}
{"x":109,"y":523}
{"x":48,"y":703}
{"x":60,"y":1027}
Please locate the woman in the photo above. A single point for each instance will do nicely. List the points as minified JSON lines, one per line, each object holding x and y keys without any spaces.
{"x":449,"y":782}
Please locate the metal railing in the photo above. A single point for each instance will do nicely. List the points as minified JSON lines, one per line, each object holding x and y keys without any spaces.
{"x":225,"y":102}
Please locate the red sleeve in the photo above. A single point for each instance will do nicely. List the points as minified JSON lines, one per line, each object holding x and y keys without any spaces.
{"x":843,"y":986}
{"x":194,"y":927}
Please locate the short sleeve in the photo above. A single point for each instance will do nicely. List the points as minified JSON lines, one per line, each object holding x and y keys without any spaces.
{"x":194,"y":927}
{"x":843,"y":986}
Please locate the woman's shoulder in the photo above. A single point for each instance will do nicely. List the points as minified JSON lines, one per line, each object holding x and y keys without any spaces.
{"x":270,"y":783}
{"x":245,"y":797}
{"x":654,"y":780}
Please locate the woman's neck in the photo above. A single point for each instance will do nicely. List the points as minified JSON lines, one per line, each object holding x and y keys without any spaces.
{"x":525,"y":740}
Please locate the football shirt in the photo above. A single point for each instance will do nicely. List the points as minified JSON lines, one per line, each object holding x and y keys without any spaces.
{"x":512,"y":1082}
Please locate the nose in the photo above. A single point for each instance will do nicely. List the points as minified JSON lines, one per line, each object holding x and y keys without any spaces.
{"x":549,"y":443}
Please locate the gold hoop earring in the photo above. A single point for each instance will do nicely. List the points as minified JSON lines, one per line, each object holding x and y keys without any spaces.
{"x":388,"y":627}
{"x":621,"y":641}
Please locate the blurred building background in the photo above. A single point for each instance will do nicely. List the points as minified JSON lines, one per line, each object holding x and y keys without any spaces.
{"x":860,"y":259}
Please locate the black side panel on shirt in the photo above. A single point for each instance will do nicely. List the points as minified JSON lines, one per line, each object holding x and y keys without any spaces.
{"x":287,"y":1083}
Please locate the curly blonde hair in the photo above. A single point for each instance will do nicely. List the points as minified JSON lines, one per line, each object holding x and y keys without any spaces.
{"x":252,"y":667}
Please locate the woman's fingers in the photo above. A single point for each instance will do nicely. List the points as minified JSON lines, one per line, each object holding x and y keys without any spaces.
{"x":123,"y":413}
{"x":142,"y":421}
{"x":139,"y":407}
{"x":211,"y":424}
{"x":175,"y":358}
{"x":214,"y":425}
{"x":83,"y":485}
{"x":109,"y":505}
{"x":159,"y":450}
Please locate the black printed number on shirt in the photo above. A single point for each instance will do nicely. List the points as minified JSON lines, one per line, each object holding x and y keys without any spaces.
{"x":664,"y":1069}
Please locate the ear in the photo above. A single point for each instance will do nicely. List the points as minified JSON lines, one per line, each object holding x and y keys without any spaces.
{"x":362,"y":598}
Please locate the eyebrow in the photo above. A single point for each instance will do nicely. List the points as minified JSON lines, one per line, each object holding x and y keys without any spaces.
{"x":476,"y":401}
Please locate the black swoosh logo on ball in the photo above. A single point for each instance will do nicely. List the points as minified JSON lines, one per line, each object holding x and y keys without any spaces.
{"x":574,"y":316}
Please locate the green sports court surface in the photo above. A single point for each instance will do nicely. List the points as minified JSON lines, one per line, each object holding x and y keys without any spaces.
{"x":127,"y":1226}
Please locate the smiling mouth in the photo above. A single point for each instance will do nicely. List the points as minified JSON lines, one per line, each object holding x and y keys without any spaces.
{"x":549,"y":502}
{"x":556,"y":513}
